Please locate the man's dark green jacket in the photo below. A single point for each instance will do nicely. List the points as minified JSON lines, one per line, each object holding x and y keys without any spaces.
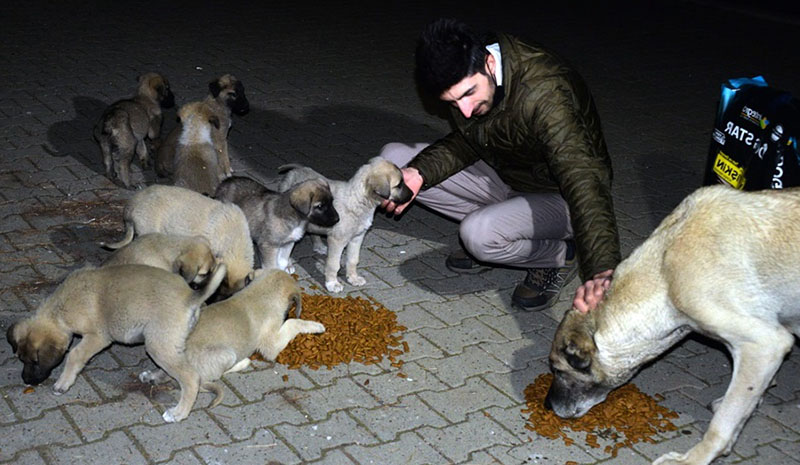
{"x":543,"y":136}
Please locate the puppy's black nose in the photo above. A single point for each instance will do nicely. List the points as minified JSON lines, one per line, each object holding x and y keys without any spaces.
{"x":547,"y":403}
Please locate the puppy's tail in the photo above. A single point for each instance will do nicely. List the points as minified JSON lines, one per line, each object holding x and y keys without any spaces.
{"x":214,"y":388}
{"x":202,"y":294}
{"x":125,"y":241}
{"x":297,"y":298}
{"x":288,"y":167}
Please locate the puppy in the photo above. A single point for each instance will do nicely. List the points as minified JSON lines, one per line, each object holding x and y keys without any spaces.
{"x":228,"y":332}
{"x":724,"y":263}
{"x":189,"y":256}
{"x":355,"y":200}
{"x":226,"y":96}
{"x":179,"y":211}
{"x":124,"y":125}
{"x":201,"y":147}
{"x":130,"y":304}
{"x":278,"y":220}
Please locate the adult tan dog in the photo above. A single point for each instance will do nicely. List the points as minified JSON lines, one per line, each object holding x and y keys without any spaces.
{"x":125,"y":124}
{"x":278,"y":220}
{"x":355,"y":200}
{"x":726,"y":264}
{"x":131,"y":304}
{"x":202,"y":147}
{"x":253,"y":320}
{"x":226,"y":95}
{"x":189,"y":256}
{"x":179,"y":211}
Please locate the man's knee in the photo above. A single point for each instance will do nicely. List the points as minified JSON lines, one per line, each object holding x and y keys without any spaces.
{"x":399,"y":153}
{"x":477,"y":236}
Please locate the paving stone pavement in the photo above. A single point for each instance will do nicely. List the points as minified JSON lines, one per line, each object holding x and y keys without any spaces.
{"x":328,"y":86}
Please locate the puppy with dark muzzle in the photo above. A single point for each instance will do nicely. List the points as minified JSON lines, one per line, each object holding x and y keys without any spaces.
{"x":130,"y":304}
{"x":355,"y":200}
{"x":125,"y":126}
{"x":225,"y":96}
{"x":278,"y":220}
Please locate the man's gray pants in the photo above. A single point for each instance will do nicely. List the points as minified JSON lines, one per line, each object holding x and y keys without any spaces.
{"x":497,"y":224}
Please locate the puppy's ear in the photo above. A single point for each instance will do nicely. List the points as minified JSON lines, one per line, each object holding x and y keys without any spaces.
{"x":214,"y":120}
{"x":301,"y":199}
{"x":214,"y":88}
{"x":12,"y":340}
{"x":380,"y":185}
{"x":184,"y":268}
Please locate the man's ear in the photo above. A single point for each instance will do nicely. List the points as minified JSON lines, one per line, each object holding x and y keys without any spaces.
{"x":491,"y":63}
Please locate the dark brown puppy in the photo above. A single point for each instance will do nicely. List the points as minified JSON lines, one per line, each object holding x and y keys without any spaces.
{"x":125,"y":124}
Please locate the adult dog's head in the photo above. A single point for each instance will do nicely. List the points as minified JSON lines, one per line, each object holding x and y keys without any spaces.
{"x":40,"y":345}
{"x":314,"y":200}
{"x":580,"y":380}
{"x":384,"y":181}
{"x":230,"y":91}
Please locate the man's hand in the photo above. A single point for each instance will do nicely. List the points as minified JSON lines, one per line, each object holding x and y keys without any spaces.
{"x":591,"y":293}
{"x":414,"y":181}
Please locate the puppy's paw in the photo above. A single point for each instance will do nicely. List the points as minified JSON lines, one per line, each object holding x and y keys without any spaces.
{"x":61,"y":387}
{"x":313,"y":327}
{"x":147,"y":376}
{"x":334,"y":286}
{"x":356,"y":280}
{"x":289,"y":269}
{"x":671,"y":458}
{"x":171,"y":416}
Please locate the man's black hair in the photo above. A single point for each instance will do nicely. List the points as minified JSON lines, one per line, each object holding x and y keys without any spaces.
{"x":447,"y":52}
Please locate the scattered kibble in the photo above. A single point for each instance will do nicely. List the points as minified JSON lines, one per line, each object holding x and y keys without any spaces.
{"x":627,"y":416}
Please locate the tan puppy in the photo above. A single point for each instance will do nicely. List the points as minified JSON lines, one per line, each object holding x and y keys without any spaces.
{"x":254,"y":319}
{"x":131,"y":304}
{"x":355,"y":200}
{"x":189,"y":256}
{"x":726,"y":264}
{"x":226,"y":95}
{"x":179,"y":211}
{"x":278,"y":220}
{"x":124,"y":125}
{"x":201,"y":147}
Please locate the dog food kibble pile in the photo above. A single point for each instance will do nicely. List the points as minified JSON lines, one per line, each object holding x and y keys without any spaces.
{"x":627,"y":416}
{"x":356,"y":330}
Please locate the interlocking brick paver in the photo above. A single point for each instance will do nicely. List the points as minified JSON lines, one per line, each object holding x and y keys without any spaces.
{"x":160,"y":440}
{"x":310,"y":440}
{"x":50,"y":428}
{"x":262,"y":447}
{"x":408,"y":449}
{"x":457,"y":441}
{"x":117,"y":447}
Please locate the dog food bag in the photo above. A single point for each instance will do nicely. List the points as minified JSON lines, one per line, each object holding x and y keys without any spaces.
{"x":754,"y":141}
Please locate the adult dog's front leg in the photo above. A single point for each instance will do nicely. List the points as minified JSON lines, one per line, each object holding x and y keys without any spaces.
{"x":77,"y":359}
{"x":755,"y":364}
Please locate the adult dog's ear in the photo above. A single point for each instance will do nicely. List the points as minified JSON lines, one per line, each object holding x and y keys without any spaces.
{"x":577,"y":339}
